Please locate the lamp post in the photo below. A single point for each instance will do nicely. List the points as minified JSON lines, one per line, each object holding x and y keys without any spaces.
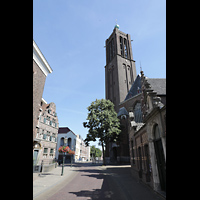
{"x":71,"y":157}
{"x":65,"y":142}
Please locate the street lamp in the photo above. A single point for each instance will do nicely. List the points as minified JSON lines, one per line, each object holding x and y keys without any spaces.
{"x":65,"y":142}
{"x":71,"y":157}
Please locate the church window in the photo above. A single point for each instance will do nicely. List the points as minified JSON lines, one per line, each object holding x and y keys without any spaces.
{"x":112,"y":49}
{"x":121,"y":46}
{"x":132,"y":150}
{"x":125,"y":48}
{"x":108,"y":52}
{"x":138,"y":113}
{"x":156,"y":132}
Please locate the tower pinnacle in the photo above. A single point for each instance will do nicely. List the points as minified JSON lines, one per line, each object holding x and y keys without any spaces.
{"x":116,"y":25}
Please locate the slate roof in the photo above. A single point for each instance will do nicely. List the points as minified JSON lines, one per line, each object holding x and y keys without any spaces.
{"x":158,"y":85}
{"x":135,"y":88}
{"x":63,"y":130}
{"x":122,"y":111}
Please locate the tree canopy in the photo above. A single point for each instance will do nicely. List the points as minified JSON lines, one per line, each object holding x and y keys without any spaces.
{"x":102,"y":123}
{"x":96,"y":152}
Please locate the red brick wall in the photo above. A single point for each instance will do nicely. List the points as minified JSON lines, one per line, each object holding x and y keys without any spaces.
{"x":38,"y":87}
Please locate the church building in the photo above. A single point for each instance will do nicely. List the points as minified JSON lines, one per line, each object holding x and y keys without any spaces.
{"x":140,"y":103}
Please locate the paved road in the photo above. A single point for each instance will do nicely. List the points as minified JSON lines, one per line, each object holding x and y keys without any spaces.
{"x":96,"y":182}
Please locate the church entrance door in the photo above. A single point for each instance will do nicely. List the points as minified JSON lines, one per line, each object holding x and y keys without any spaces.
{"x":160,"y":163}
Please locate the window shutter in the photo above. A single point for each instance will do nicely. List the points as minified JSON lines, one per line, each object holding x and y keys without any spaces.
{"x":50,"y":138}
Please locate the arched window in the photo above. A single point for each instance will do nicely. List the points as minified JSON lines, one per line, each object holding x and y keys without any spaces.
{"x":125,"y":48}
{"x":159,"y":152}
{"x":70,"y":143}
{"x":156,"y":132}
{"x":132,"y":150}
{"x":62,"y":141}
{"x":138,"y":113}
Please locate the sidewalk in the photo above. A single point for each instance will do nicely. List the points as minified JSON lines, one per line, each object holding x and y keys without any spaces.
{"x":43,"y":182}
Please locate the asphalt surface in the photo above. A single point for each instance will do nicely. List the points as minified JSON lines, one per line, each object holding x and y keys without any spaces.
{"x":89,"y":181}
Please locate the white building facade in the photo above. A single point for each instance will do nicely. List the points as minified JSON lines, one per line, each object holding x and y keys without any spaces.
{"x":82,"y":152}
{"x":75,"y":143}
{"x":65,"y":132}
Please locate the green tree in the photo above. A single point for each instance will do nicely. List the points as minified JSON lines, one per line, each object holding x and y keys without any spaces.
{"x":95,"y":152}
{"x":102,"y":123}
{"x":98,"y":152}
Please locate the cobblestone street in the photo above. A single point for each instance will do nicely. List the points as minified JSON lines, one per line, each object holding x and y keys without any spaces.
{"x":93,"y":181}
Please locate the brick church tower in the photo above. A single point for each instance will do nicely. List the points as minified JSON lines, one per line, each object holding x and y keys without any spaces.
{"x":120,"y":71}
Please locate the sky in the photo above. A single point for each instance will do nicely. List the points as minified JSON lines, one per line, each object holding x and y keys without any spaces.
{"x":72,"y":34}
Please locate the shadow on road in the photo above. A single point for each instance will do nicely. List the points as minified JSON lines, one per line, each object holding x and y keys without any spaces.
{"x":118,"y":184}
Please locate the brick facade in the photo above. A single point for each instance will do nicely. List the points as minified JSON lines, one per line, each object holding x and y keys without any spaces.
{"x":41,"y":69}
{"x":38,"y":87}
{"x":147,"y":139}
{"x":46,"y":133}
{"x":120,"y":73}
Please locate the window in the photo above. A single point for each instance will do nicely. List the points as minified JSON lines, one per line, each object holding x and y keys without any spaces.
{"x":45,"y":150}
{"x":121,"y":46}
{"x":112,"y":49}
{"x":138,"y":113}
{"x":156,"y":132}
{"x":125,"y":48}
{"x":51,"y":151}
{"x":132,"y":150}
{"x":148,"y":165}
{"x":44,"y":136}
{"x":61,"y":141}
{"x":70,"y":142}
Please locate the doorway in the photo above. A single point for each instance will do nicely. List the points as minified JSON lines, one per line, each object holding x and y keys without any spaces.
{"x":160,"y":158}
{"x":35,"y":155}
{"x":140,"y":162}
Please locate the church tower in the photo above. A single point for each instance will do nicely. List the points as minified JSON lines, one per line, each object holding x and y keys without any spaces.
{"x":120,"y":71}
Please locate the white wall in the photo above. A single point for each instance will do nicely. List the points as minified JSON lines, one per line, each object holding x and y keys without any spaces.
{"x":68,"y":135}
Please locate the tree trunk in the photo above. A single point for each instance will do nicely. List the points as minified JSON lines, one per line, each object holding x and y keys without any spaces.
{"x":104,"y":162}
